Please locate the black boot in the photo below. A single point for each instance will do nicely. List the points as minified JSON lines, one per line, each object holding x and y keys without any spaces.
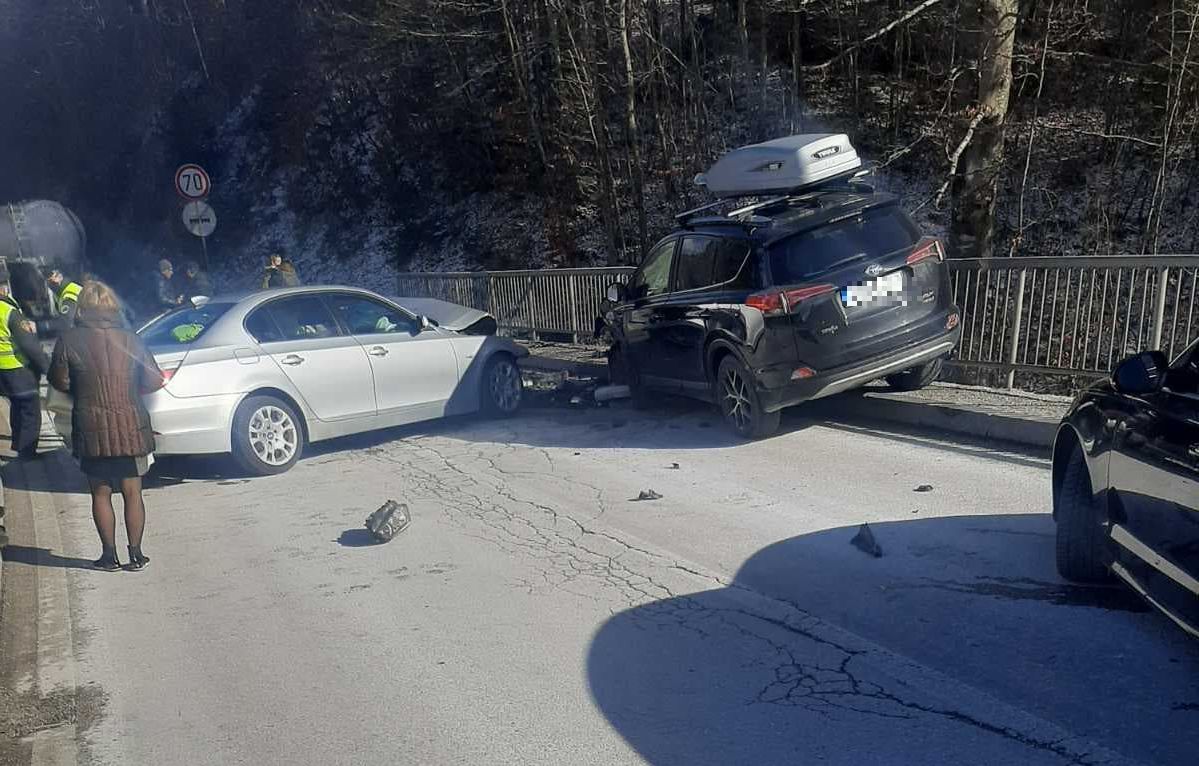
{"x":108,"y":561}
{"x":137,"y":559}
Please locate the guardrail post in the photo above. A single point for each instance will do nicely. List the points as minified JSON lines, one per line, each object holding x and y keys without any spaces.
{"x":1014,"y":345}
{"x":532,"y":310}
{"x":574,"y":311}
{"x":1159,"y":307}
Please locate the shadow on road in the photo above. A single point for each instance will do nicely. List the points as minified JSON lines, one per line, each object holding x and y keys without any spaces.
{"x":356,"y":538}
{"x":725,"y":676}
{"x":42,"y":557}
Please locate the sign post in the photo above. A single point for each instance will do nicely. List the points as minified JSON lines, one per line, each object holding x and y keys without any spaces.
{"x":193,"y":184}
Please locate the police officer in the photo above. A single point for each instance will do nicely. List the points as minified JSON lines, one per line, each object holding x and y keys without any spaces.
{"x":22,"y":364}
{"x":65,"y":303}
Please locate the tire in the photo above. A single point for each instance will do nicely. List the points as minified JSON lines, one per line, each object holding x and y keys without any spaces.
{"x":916,"y":378}
{"x":502,"y":387}
{"x":1082,"y":541}
{"x":737,"y":398}
{"x":268,"y":436}
{"x":639,"y":395}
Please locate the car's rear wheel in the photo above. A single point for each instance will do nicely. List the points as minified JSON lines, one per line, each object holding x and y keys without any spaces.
{"x":503,"y":387}
{"x":267,"y":436}
{"x":917,"y":377}
{"x":739,"y":403}
{"x":1082,"y":539}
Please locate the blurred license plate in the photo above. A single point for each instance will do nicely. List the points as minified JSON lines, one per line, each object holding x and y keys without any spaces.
{"x":885,"y":289}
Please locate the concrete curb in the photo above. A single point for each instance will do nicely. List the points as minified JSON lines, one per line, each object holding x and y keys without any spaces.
{"x":1027,"y":432}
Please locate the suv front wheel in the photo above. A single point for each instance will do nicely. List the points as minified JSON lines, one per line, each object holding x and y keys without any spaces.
{"x":739,"y":403}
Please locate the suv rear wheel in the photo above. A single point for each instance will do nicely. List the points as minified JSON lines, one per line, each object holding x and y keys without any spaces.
{"x":917,"y":377}
{"x":737,"y":398}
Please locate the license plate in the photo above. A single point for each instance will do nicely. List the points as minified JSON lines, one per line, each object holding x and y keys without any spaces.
{"x":886,"y":289}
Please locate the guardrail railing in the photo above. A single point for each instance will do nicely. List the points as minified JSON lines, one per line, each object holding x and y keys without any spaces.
{"x":1068,"y":315}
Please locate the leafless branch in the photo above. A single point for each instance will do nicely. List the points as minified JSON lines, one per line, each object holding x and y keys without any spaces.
{"x":919,"y":9}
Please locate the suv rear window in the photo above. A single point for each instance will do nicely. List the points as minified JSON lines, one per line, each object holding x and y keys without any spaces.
{"x":869,"y":234}
{"x":183,"y":327}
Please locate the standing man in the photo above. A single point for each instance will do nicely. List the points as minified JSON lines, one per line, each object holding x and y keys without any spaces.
{"x":166,"y":294}
{"x":65,"y":303}
{"x":196,"y":281}
{"x":22,"y":364}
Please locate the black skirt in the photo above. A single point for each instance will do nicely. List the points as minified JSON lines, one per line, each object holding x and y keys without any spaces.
{"x":114,"y":469}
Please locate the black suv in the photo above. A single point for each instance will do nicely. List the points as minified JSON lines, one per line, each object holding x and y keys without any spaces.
{"x":794,"y":298}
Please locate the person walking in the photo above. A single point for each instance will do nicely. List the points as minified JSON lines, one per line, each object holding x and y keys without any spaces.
{"x":106,"y":370}
{"x":279,"y":273}
{"x":196,"y":282}
{"x":22,"y":364}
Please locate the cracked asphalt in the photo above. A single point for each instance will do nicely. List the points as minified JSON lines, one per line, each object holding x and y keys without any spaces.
{"x":534,"y":613}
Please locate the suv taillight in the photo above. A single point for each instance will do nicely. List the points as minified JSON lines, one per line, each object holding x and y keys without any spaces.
{"x":775,"y":302}
{"x":925,"y":249}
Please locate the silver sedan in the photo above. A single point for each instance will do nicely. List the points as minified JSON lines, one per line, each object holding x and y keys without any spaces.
{"x":260,"y":375}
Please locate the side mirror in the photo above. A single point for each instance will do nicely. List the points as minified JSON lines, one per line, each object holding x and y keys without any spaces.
{"x":1142,"y":373}
{"x":615,"y":292}
{"x":425,"y":323}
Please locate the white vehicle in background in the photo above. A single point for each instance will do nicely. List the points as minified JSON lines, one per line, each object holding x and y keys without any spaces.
{"x":261,"y":375}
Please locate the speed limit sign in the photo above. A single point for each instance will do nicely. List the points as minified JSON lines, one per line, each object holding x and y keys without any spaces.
{"x":192,"y":182}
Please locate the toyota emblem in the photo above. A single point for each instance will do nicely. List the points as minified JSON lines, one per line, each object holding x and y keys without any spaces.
{"x":873,"y":270}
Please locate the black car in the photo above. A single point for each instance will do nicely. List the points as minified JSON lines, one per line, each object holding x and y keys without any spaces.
{"x":1126,"y":483}
{"x":791,"y":299}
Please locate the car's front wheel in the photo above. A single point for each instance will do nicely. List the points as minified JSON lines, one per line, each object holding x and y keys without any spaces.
{"x":1082,"y":539}
{"x":503,"y":387}
{"x":917,"y":377}
{"x":267,"y":436}
{"x":737,"y":397}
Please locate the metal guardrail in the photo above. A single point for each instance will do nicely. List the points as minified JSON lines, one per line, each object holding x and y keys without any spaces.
{"x":1073,"y":314}
{"x":1069,"y":315}
{"x":552,"y":302}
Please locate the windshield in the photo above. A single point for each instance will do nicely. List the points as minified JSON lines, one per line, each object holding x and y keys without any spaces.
{"x":184,"y":326}
{"x":869,"y":234}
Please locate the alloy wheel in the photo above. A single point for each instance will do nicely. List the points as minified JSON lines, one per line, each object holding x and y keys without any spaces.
{"x":273,"y":435}
{"x":734,"y":401}
{"x":505,"y":386}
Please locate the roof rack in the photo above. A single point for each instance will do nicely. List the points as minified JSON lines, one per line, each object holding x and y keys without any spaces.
{"x":851,"y":181}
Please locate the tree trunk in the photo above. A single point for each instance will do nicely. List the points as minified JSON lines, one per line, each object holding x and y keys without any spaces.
{"x":797,"y":66}
{"x":972,"y":228}
{"x":636,"y":172}
{"x":743,"y":30}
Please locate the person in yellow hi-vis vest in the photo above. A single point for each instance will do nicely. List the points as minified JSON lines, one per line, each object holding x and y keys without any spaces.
{"x":65,"y":304}
{"x":22,"y":364}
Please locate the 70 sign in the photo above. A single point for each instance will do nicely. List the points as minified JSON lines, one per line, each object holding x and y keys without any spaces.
{"x":192,"y":182}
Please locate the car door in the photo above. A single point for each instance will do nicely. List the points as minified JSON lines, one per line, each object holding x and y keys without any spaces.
{"x":415,"y":371}
{"x":708,"y":277}
{"x":328,"y":368}
{"x":1154,"y":470}
{"x":647,"y":289}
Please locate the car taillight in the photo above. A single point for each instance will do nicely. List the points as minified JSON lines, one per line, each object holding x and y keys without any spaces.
{"x":781,"y":301}
{"x":168,"y":373}
{"x":925,"y":249}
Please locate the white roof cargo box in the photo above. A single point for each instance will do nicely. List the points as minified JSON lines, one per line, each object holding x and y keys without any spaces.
{"x":781,"y":165}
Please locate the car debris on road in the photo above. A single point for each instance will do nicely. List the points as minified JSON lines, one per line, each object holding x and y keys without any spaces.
{"x":865,"y":542}
{"x":389,"y":520}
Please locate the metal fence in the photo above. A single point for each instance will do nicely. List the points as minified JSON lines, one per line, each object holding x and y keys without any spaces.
{"x":1073,"y":315}
{"x":561,"y":303}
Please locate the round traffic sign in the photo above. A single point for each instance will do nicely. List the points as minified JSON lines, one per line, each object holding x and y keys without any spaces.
{"x":192,"y":182}
{"x":199,"y":218}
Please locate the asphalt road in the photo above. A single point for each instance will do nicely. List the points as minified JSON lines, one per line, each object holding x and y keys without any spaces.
{"x":534,"y":614}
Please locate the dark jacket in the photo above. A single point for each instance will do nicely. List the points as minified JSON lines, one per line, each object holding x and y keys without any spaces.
{"x":26,"y":342}
{"x":199,"y":284}
{"x":166,"y":292}
{"x":283,"y":275}
{"x":106,"y":369}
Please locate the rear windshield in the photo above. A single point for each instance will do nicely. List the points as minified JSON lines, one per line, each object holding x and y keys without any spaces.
{"x":183,"y":327}
{"x":869,"y":234}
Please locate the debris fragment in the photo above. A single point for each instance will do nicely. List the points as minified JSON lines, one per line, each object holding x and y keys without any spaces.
{"x":607,"y":393}
{"x":924,"y":488}
{"x":647,"y":494}
{"x":674,"y":466}
{"x":388,"y":521}
{"x":865,"y":542}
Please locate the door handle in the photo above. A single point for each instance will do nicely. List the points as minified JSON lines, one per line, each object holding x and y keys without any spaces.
{"x":378,"y":351}
{"x":292,"y":360}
